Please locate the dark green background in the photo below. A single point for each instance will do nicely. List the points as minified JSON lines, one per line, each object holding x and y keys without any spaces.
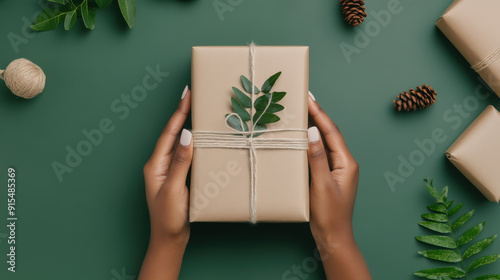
{"x":95,"y":222}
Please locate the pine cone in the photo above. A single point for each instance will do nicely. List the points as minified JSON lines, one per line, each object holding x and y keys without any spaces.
{"x":421,"y":98}
{"x":354,"y":11}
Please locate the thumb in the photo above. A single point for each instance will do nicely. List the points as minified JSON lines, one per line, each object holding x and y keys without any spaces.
{"x":317,"y":155}
{"x":181,"y":161}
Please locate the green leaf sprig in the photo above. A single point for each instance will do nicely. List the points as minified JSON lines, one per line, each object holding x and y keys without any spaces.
{"x":265,"y":105}
{"x":452,"y":249}
{"x":67,"y":11}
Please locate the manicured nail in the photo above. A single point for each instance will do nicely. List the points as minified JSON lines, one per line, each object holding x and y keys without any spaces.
{"x":313,"y":134}
{"x":184,"y":92}
{"x":186,"y":137}
{"x":312,"y":96}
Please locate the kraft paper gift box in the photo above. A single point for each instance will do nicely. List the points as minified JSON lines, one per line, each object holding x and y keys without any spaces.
{"x":473,"y":28}
{"x":476,"y":153}
{"x":220,"y":188}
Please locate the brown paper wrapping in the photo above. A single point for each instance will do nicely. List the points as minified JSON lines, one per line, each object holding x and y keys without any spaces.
{"x":476,"y":153}
{"x":473,"y":28}
{"x":220,"y":178}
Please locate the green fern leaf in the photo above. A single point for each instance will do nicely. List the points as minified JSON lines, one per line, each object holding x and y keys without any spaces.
{"x":442,"y":255}
{"x":462,"y":220}
{"x":479,"y":246}
{"x":482,"y":261}
{"x":438,"y":240}
{"x":441,"y":272}
{"x":469,"y":235}
{"x":437,"y":227}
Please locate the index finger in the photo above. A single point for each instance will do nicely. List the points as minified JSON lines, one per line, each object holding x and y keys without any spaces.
{"x":166,"y":141}
{"x":334,"y":140}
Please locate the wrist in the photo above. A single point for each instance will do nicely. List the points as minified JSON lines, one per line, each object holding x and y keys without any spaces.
{"x":168,"y":242}
{"x":336,"y":240}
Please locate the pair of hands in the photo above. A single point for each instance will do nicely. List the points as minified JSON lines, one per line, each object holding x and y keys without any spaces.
{"x":334,"y":181}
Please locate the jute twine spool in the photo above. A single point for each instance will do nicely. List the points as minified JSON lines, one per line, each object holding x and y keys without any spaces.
{"x":24,"y":78}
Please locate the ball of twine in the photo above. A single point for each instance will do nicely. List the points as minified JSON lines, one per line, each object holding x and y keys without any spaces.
{"x":24,"y":78}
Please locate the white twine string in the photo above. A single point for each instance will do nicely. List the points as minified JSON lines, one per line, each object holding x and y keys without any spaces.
{"x":236,"y":139}
{"x":490,"y":59}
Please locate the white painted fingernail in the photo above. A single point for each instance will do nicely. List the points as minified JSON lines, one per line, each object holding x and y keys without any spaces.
{"x":186,"y":137}
{"x":313,"y":134}
{"x":312,"y":96}
{"x":184,"y":92}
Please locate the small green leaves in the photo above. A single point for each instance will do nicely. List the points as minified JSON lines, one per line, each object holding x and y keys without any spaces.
{"x":266,"y":118}
{"x":265,"y":105}
{"x":435,"y":217}
{"x":482,"y":261}
{"x":455,"y":209}
{"x":48,"y":20}
{"x":67,"y":12}
{"x":488,"y":277}
{"x":127,"y":7}
{"x":103,"y":3}
{"x":479,"y":246}
{"x":437,"y":227}
{"x":247,"y":85}
{"x":69,"y":20}
{"x":236,"y":124}
{"x":438,"y":240}
{"x":442,"y":255}
{"x":437,"y":207}
{"x":269,"y":83}
{"x":469,"y":235}
{"x":441,"y":272}
{"x":238,"y":109}
{"x":439,"y":221}
{"x":242,"y":98}
{"x":462,"y":220}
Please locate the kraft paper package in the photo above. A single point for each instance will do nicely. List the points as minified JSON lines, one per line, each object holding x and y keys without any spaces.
{"x":476,"y":153}
{"x":473,"y":28}
{"x":221,"y":177}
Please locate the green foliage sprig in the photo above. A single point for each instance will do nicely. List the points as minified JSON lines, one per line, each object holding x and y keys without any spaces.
{"x":265,"y":105}
{"x":439,"y":221}
{"x":67,"y":11}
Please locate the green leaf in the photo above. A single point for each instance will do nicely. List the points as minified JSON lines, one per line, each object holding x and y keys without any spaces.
{"x":488,"y":277}
{"x":438,"y":227}
{"x":437,"y":207}
{"x":247,"y":85}
{"x":449,"y":204}
{"x":277,"y":96}
{"x":242,"y":98}
{"x":273,"y":108}
{"x":88,"y":16}
{"x":49,"y":19}
{"x":443,"y":197}
{"x":103,"y":3}
{"x":462,"y":219}
{"x":269,"y":83}
{"x":469,"y":235}
{"x":238,"y":109}
{"x":266,"y":118}
{"x":478,"y":246}
{"x":435,"y":217}
{"x":441,"y":272}
{"x":57,"y":1}
{"x":455,"y":209}
{"x":438,"y":240}
{"x":432,"y":190}
{"x":482,"y":261}
{"x":127,"y":7}
{"x":442,"y":255}
{"x":69,"y":20}
{"x":236,"y":124}
{"x":259,"y":127}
